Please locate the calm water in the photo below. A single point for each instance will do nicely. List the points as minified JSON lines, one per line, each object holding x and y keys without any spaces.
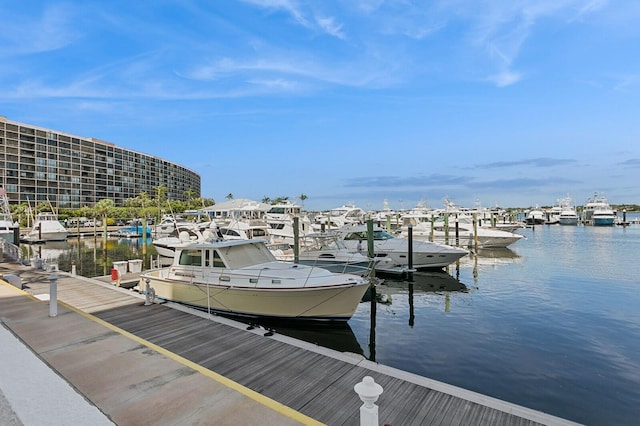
{"x":553,"y":323}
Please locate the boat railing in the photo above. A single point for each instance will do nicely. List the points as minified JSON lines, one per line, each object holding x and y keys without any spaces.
{"x":233,"y":277}
{"x":11,"y":250}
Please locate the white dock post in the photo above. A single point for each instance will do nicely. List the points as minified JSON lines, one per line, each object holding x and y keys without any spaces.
{"x":149,"y":294}
{"x":368,"y":391}
{"x":53,"y":295}
{"x":73,"y":267}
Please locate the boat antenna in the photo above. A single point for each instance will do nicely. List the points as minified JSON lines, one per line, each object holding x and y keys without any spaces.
{"x":51,"y":207}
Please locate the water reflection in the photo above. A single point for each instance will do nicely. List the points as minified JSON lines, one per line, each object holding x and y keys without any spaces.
{"x":92,"y":257}
{"x":339,"y":337}
{"x":422,"y":281}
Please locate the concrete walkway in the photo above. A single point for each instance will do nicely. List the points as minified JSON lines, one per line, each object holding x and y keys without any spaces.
{"x":131,"y":383}
{"x":31,"y":393}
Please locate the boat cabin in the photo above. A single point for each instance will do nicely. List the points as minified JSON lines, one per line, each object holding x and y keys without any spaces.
{"x":235,"y":254}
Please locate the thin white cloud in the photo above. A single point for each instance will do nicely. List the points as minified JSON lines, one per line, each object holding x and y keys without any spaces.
{"x":503,"y":28}
{"x":505,"y":78}
{"x":325,"y":24}
{"x":624,"y":82}
{"x":591,"y":7}
{"x":330,"y":27}
{"x":52,"y":29}
{"x":289,"y":6}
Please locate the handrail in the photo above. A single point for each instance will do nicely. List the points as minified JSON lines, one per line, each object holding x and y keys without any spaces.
{"x":11,"y":250}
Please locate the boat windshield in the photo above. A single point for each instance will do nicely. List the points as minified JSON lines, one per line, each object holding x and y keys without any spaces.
{"x":378,"y":235}
{"x":246,"y":255}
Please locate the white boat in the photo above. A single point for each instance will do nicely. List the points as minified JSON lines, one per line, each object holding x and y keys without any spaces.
{"x":281,"y":219}
{"x":535,"y":216}
{"x":244,"y":229}
{"x":168,"y":224}
{"x":568,"y":214}
{"x":338,"y":217}
{"x":393,"y":252}
{"x":7,"y":225}
{"x":445,"y":233}
{"x":327,"y":251}
{"x":598,"y":212}
{"x":242,"y":277}
{"x":46,"y":227}
{"x":185,"y":232}
{"x":552,"y":215}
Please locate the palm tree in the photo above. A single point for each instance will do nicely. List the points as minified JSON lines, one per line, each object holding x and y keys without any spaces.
{"x":102,"y":209}
{"x":161,"y":197}
{"x":302,"y":198}
{"x":191,"y":194}
{"x":229,"y":196}
{"x":266,"y":199}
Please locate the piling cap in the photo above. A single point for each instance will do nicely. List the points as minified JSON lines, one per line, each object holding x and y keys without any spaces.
{"x":368,"y":390}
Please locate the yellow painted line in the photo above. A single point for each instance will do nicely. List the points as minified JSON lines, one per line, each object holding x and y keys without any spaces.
{"x":258,"y":397}
{"x":19,"y":290}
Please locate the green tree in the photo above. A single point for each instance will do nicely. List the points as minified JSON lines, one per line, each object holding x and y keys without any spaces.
{"x":103,"y":209}
{"x":161,"y":197}
{"x":22,"y":212}
{"x":229,"y":196}
{"x":190,"y":194}
{"x":266,"y":200}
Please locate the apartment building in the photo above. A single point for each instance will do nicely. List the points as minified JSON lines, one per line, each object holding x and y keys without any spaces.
{"x":40,"y":165}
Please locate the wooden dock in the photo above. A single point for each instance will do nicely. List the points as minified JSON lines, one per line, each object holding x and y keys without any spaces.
{"x":313,"y":381}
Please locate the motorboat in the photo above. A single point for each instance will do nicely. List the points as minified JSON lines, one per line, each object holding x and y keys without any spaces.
{"x":46,"y":227}
{"x":552,"y":215}
{"x":568,"y":217}
{"x":243,"y":278}
{"x":392,"y":252}
{"x":326,"y":250}
{"x":598,"y":212}
{"x":568,"y":214}
{"x":186,"y":232}
{"x":322,"y":249}
{"x":134,"y":230}
{"x":283,"y":218}
{"x":468,"y":235}
{"x":244,"y":229}
{"x":168,"y":224}
{"x":535,"y":216}
{"x":346,"y":214}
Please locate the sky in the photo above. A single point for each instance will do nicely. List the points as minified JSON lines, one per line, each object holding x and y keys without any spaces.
{"x":508,"y":103}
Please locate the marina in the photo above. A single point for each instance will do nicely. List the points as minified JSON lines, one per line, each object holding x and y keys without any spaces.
{"x":287,"y":382}
{"x":548,"y":323}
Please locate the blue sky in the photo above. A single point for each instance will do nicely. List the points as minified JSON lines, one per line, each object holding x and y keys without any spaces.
{"x":510,"y":103}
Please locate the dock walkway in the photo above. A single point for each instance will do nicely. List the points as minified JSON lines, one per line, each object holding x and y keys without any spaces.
{"x":165,"y":364}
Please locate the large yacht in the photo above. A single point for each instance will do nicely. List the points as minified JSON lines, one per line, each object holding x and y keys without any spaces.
{"x":598,"y":212}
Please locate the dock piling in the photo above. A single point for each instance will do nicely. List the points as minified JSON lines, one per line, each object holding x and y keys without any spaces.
{"x":368,"y":391}
{"x":150,"y":293}
{"x":53,"y":295}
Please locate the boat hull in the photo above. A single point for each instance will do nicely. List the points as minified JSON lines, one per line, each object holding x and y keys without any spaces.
{"x":467,"y":240}
{"x":334,"y":303}
{"x":569,"y":220}
{"x":603,"y":221}
{"x":46,"y":236}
